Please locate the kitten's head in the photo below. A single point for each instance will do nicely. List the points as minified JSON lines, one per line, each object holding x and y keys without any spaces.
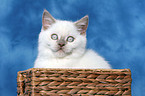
{"x":62,"y":38}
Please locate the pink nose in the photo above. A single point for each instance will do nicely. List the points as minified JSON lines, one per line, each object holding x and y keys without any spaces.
{"x":61,"y":44}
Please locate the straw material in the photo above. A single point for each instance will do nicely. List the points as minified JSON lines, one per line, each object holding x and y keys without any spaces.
{"x":76,"y":82}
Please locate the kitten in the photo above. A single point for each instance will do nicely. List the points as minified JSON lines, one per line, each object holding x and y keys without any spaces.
{"x":62,"y":45}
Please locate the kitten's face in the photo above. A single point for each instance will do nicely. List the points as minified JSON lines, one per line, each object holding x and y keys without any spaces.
{"x":62,"y":37}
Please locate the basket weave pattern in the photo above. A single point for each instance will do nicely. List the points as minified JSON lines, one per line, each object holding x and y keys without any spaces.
{"x":76,"y":82}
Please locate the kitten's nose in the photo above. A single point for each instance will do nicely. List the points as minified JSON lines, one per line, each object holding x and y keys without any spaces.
{"x":61,"y":44}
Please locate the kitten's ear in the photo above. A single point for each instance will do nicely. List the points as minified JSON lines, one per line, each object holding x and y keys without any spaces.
{"x":82,"y":25}
{"x":47,"y":20}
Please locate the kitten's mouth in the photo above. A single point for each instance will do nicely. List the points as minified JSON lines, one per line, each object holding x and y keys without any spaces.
{"x":61,"y":52}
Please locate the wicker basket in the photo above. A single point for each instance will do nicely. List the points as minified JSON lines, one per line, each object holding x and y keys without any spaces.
{"x":76,"y":82}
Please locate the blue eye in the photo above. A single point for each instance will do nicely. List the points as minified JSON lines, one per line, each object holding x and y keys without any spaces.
{"x":54,"y":37}
{"x":70,"y":39}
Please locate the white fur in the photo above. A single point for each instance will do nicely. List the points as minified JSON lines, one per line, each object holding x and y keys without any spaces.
{"x":74,"y":56}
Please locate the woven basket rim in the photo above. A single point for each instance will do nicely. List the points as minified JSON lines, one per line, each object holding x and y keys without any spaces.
{"x":69,"y":69}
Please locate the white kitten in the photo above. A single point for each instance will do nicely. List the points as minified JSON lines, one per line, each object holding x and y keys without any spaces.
{"x":62,"y":45}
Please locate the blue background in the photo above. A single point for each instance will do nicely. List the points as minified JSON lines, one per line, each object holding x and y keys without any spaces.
{"x":116,"y":31}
